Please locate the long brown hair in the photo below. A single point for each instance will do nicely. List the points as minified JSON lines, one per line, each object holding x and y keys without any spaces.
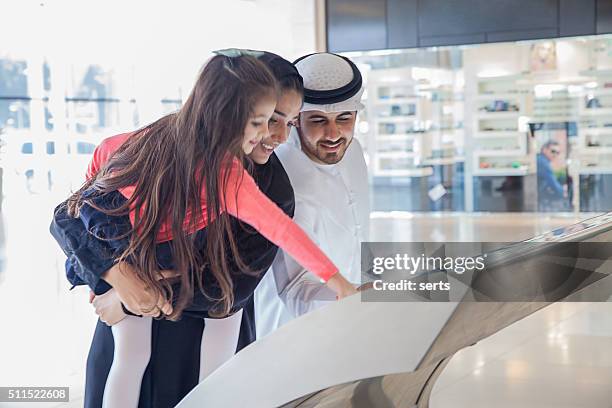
{"x":171,"y":162}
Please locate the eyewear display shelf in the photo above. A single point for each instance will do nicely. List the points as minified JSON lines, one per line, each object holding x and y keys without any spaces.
{"x":595,"y":144}
{"x":503,"y":169}
{"x":413,"y":129}
{"x":400,"y":139}
{"x":397,"y":145}
{"x":500,"y":137}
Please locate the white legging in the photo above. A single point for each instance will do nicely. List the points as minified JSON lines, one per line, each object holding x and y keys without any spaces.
{"x":132,"y":337}
{"x":219,"y":342}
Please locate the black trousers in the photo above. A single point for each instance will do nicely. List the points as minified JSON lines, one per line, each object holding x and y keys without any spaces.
{"x":174,"y":368}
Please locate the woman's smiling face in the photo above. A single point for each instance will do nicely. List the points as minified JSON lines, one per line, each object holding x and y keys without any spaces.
{"x":283,"y":119}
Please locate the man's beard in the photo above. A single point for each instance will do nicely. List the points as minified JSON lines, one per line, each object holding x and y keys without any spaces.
{"x":316,"y":153}
{"x":332,"y":157}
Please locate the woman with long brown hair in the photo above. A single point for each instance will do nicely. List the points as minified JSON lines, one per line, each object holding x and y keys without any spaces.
{"x":177,"y":179}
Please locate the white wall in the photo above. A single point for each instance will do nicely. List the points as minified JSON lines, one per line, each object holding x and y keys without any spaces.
{"x":166,"y":42}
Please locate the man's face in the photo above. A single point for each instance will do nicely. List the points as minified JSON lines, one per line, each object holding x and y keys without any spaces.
{"x":551,"y":152}
{"x":326,"y":136}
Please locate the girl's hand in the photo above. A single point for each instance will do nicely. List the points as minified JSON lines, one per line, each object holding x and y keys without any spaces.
{"x":136,"y":296}
{"x":108,"y":307}
{"x":341,"y":286}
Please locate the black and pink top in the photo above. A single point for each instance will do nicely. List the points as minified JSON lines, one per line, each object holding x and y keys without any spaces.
{"x":245,"y":201}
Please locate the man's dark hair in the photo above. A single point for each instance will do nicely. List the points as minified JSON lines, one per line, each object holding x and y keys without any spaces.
{"x":549,"y":144}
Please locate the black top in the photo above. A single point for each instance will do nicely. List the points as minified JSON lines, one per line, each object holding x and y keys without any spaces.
{"x":92,"y":242}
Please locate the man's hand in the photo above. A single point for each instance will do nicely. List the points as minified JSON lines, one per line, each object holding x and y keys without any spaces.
{"x":108,"y":307}
{"x":135,"y":295}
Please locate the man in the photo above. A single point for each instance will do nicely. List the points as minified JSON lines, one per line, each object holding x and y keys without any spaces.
{"x":551,"y":192}
{"x":546,"y":176}
{"x":329,"y":177}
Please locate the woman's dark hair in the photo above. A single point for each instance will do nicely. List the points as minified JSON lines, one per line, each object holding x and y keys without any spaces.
{"x":171,"y":162}
{"x":286,"y":74}
{"x":292,"y":83}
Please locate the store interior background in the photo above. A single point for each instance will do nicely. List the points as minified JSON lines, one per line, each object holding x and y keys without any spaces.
{"x":451,"y":127}
{"x":446,"y":132}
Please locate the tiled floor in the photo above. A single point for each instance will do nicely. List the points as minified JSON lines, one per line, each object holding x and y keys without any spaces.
{"x":558,"y":357}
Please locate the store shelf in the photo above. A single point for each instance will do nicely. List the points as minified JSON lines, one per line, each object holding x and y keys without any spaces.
{"x":504,"y":126}
{"x":596,"y":112}
{"x":498,"y":115}
{"x":596,"y":150}
{"x":397,"y":101}
{"x":601,"y":131}
{"x":500,"y":96}
{"x":499,"y":153}
{"x":596,"y":72}
{"x":555,"y":110}
{"x":599,"y":92}
{"x":445,"y":101}
{"x":416,"y":172}
{"x":397,"y":119}
{"x":595,"y":170}
{"x":446,"y":132}
{"x":397,"y":136}
{"x":396,"y":155}
{"x":443,"y":161}
{"x":554,"y":118}
{"x":521,"y":171}
{"x":500,"y":78}
{"x":497,"y":134}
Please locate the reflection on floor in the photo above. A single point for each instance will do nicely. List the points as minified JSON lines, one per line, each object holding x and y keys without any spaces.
{"x":558,"y":357}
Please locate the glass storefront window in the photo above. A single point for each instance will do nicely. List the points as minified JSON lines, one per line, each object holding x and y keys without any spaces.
{"x":523,"y":126}
{"x":85,"y":116}
{"x":14,"y":96}
{"x":53,"y":116}
{"x":171,"y":105}
{"x":14,"y":113}
{"x":97,"y":100}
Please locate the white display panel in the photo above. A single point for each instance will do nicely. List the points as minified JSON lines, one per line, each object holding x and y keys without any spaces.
{"x":340,"y":343}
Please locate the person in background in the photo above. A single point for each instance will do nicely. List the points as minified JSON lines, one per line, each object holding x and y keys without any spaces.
{"x":550,"y":191}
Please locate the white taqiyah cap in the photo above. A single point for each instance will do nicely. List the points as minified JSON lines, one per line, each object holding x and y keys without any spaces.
{"x":332,"y":83}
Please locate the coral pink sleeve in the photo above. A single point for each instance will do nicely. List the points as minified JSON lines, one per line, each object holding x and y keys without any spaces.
{"x":245,"y":201}
{"x":95,"y":163}
{"x":103,"y":152}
